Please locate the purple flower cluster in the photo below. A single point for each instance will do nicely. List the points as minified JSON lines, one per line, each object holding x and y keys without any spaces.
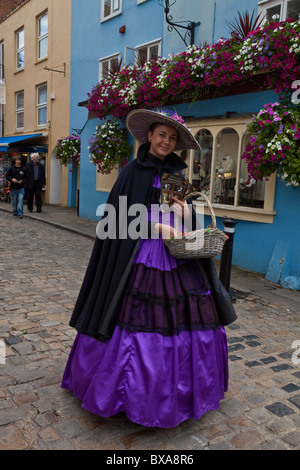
{"x":274,"y":143}
{"x":68,"y":150}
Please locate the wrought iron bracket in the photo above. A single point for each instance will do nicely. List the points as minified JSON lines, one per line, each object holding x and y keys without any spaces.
{"x":55,"y":69}
{"x":190,"y":27}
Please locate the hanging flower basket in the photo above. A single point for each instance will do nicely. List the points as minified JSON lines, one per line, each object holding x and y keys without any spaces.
{"x":68,"y":150}
{"x":109,"y":147}
{"x":271,"y":52}
{"x":275,"y":143}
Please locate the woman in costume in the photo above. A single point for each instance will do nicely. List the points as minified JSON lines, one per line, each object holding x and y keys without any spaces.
{"x":151,"y":340}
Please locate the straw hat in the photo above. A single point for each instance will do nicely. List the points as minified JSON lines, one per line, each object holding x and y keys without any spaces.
{"x":139,"y":121}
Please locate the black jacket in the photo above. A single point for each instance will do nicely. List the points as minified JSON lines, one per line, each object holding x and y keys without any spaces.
{"x":29,"y":171}
{"x":96,"y":309}
{"x":19,"y":174}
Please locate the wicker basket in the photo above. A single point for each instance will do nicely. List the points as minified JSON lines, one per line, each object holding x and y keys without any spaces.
{"x":203,"y":243}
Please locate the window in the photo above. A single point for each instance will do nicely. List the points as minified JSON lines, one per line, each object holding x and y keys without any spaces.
{"x":20,"y":110}
{"x":108,"y":66}
{"x":42,"y":105}
{"x":43,"y":36}
{"x":110,"y":8}
{"x":279,"y":10}
{"x":221,"y":174}
{"x":20,"y":49}
{"x":147,"y":52}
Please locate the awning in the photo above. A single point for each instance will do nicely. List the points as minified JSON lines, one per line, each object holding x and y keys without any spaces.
{"x":6,"y":142}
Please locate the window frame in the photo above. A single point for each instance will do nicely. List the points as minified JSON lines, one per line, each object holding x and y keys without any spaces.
{"x":42,"y":37}
{"x":42,"y":105}
{"x":236,"y":211}
{"x":20,"y":49}
{"x":114,"y":13}
{"x":149,"y":45}
{"x":20,"y":110}
{"x":264,"y":5}
{"x":106,"y":59}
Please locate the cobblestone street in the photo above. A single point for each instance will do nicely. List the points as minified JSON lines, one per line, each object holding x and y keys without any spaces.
{"x":41,"y":270}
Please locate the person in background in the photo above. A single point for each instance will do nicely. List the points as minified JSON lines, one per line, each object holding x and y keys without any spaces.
{"x":16,"y":176}
{"x":35,"y":181}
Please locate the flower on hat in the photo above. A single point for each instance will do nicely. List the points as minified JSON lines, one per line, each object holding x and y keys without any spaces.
{"x":172,"y":115}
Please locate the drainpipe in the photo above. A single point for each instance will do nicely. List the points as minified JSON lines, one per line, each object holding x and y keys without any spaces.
{"x":214,"y":23}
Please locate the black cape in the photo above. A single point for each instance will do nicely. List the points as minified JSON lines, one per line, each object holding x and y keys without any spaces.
{"x":96,"y":309}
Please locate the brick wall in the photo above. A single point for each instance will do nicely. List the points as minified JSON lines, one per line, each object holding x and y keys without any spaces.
{"x":7,"y":6}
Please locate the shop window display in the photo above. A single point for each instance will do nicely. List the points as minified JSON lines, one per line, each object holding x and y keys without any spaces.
{"x":219,"y":171}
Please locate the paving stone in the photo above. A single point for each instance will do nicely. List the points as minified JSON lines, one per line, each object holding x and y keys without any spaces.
{"x":26,"y":397}
{"x":292,"y":438}
{"x":282,"y":426}
{"x":281,"y":367}
{"x":269,"y":360}
{"x":273,"y":445}
{"x":235,"y":347}
{"x":253,"y":344}
{"x":13,"y":340}
{"x":11,"y":415}
{"x":11,"y":438}
{"x":295,"y":400}
{"x":252,"y":363}
{"x":290,"y":388}
{"x":280,"y":409}
{"x":246,"y":440}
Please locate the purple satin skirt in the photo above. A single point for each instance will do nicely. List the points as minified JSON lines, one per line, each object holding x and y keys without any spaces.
{"x":167,"y":360}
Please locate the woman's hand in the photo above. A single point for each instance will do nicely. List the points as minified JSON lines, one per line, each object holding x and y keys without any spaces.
{"x":181,"y":209}
{"x":166,"y":231}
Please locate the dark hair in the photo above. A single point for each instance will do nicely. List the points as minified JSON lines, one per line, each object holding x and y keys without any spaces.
{"x":157,"y":124}
{"x":154,"y":126}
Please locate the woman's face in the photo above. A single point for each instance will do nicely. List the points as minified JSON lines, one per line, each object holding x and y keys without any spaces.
{"x":162,"y":140}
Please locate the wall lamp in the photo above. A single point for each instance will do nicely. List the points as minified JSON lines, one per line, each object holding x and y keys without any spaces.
{"x":190,"y":27}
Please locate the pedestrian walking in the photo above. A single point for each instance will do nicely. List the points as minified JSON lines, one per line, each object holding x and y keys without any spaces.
{"x":150,"y":337}
{"x":35,"y":181}
{"x":16,"y":177}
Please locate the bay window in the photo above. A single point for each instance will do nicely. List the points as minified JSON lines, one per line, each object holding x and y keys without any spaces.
{"x":219,"y":171}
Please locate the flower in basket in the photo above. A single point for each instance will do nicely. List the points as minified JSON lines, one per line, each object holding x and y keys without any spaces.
{"x":68,"y":150}
{"x":109,"y":147}
{"x":275,"y":143}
